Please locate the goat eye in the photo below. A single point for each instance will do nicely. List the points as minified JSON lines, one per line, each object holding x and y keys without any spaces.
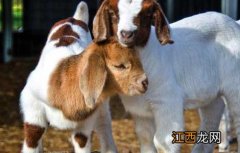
{"x":112,"y":13}
{"x":121,"y":66}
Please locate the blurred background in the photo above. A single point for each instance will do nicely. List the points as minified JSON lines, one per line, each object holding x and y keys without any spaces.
{"x":24,"y":25}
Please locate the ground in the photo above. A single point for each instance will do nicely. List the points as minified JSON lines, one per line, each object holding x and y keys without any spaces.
{"x":12,"y":79}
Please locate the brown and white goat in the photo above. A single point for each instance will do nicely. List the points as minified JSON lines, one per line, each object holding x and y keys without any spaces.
{"x":67,"y":88}
{"x":130,"y":22}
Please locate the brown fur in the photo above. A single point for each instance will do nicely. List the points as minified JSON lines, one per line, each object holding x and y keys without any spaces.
{"x":32,"y":134}
{"x":101,"y":26}
{"x":143,"y":21}
{"x":113,"y":5}
{"x":66,"y":36}
{"x":65,"y":41}
{"x":81,"y":139}
{"x":151,"y":10}
{"x":72,"y":21}
{"x":161,"y":25}
{"x":65,"y":30}
{"x":81,"y":78}
{"x":64,"y":91}
{"x":106,"y":20}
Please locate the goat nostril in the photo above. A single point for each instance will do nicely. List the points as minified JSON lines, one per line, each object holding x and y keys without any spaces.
{"x":145,"y":84}
{"x":126,"y":34}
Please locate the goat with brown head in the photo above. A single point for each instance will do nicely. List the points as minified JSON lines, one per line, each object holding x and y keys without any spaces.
{"x":130,"y":22}
{"x":81,"y":82}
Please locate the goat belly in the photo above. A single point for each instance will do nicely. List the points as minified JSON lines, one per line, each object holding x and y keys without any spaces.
{"x":58,"y":119}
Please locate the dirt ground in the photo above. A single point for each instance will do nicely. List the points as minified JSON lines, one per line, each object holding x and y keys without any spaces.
{"x":12,"y":80}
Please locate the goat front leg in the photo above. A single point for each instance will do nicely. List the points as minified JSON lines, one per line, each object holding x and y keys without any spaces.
{"x":233,"y":104}
{"x":210,"y":116}
{"x":168,"y":116}
{"x":225,"y":128}
{"x":82,"y":135}
{"x":103,"y":129}
{"x":32,"y":138}
{"x":81,"y":141}
{"x":35,"y":122}
{"x":145,"y":130}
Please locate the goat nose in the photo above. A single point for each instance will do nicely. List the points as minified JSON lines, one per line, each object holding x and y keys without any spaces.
{"x":143,"y":81}
{"x":126,"y":34}
{"x":145,"y":84}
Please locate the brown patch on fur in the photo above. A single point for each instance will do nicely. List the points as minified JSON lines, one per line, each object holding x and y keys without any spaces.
{"x":79,"y":23}
{"x":65,"y":41}
{"x":113,"y":5}
{"x":72,"y":21}
{"x":143,"y":22}
{"x":65,"y":34}
{"x":161,"y":25}
{"x":32,"y":134}
{"x":81,"y":139}
{"x":65,"y":30}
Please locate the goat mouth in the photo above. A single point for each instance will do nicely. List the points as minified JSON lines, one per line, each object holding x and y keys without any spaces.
{"x":127,"y":42}
{"x":137,"y":90}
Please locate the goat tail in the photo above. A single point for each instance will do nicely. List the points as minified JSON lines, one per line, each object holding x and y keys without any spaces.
{"x":81,"y":12}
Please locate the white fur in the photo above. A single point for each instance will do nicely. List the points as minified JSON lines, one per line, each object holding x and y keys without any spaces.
{"x":201,"y":66}
{"x":226,"y":127}
{"x":128,"y":9}
{"x":82,"y":13}
{"x":34,"y":103}
{"x":31,"y":150}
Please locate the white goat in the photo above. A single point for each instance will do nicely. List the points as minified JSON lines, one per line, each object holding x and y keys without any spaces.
{"x":225,"y":128}
{"x":201,"y":66}
{"x":68,"y":86}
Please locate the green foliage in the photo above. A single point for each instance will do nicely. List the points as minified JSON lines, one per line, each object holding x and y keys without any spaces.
{"x":17,"y":14}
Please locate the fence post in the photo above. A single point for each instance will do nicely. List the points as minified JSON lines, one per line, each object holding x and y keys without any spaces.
{"x":229,"y":7}
{"x":7,"y":30}
{"x":170,"y":10}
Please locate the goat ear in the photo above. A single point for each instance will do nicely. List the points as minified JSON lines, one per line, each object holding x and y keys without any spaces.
{"x":100,"y":2}
{"x":101,"y":23}
{"x":161,"y":25}
{"x":92,"y":80}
